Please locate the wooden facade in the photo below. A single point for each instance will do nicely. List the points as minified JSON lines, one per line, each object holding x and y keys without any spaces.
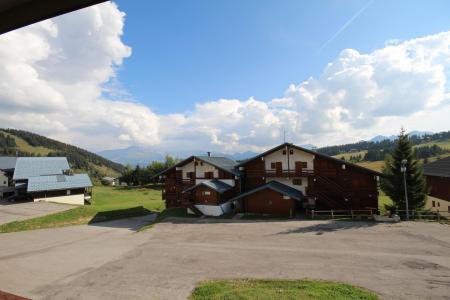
{"x":439,"y":187}
{"x":269,"y":202}
{"x":325,"y":183}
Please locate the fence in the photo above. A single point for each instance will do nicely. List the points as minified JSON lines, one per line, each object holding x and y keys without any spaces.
{"x":438,"y":215}
{"x":337,"y":214}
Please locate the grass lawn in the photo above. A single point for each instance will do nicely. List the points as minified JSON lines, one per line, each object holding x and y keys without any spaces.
{"x":383,"y":200}
{"x":109,"y":203}
{"x":279,"y":290}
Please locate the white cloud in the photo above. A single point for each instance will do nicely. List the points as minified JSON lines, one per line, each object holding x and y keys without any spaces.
{"x":54,"y":77}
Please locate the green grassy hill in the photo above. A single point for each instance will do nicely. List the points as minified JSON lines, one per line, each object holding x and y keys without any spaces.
{"x":23,"y":143}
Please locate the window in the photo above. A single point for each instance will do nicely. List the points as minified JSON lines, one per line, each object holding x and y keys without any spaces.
{"x":448,"y":209}
{"x":196,"y":163}
{"x":291,"y":151}
{"x":433,"y":203}
{"x":304,"y":164}
{"x":201,"y":163}
{"x":206,"y":193}
{"x":4,"y":182}
{"x":273,"y":165}
{"x":68,"y":192}
{"x":209,"y":175}
{"x":190,"y":175}
{"x":297,"y":181}
{"x":284,"y":152}
{"x":439,"y":204}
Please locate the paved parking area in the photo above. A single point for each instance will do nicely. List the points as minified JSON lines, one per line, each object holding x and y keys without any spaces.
{"x":15,"y":211}
{"x":398,"y":261}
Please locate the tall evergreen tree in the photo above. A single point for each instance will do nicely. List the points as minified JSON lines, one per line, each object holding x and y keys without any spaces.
{"x":393,"y":184}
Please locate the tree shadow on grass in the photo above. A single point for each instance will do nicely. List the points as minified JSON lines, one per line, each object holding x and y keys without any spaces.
{"x":331,"y":226}
{"x":132,"y":218}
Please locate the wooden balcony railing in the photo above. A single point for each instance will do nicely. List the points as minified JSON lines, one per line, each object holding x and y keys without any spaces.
{"x":279,"y":173}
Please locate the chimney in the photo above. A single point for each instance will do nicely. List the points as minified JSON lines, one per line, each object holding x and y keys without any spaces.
{"x":209,"y":154}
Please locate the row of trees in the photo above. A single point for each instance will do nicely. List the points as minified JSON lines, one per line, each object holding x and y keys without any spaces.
{"x":145,"y":175}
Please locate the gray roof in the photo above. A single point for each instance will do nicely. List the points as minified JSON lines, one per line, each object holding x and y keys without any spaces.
{"x":439,"y":168}
{"x":27,"y":167}
{"x":216,"y":185}
{"x":7,"y":163}
{"x":58,"y":182}
{"x":221,"y":162}
{"x":276,"y":186}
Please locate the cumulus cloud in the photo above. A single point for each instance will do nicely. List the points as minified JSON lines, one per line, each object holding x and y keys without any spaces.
{"x":59,"y":78}
{"x":52,"y":78}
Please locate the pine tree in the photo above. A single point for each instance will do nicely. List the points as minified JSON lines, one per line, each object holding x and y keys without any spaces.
{"x":392,"y":183}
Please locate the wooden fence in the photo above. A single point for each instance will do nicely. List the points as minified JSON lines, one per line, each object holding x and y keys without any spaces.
{"x":337,"y":214}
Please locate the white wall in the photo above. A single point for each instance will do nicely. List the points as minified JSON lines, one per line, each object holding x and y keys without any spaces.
{"x":199,"y":169}
{"x":440,"y":204}
{"x":296,"y":156}
{"x":3,"y":179}
{"x":69,"y":199}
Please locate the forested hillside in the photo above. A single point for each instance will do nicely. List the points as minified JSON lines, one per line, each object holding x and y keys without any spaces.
{"x":22,"y":143}
{"x":429,"y":146}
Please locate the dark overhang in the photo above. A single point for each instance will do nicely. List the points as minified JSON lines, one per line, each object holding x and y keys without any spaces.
{"x":18,"y":13}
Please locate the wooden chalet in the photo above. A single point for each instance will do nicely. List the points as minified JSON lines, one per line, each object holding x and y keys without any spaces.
{"x":284,"y":180}
{"x":437,"y":176}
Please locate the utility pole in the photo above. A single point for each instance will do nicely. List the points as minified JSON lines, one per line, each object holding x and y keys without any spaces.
{"x":403,"y":169}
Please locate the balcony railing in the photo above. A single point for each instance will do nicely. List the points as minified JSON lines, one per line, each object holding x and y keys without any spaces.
{"x":279,"y":173}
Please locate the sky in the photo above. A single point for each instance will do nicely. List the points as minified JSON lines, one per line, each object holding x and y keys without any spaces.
{"x":229,"y":76}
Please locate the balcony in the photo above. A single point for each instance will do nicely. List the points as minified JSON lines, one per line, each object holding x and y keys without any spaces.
{"x":279,"y":173}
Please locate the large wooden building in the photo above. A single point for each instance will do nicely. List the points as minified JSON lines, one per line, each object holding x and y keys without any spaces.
{"x":285,"y":180}
{"x":437,"y":176}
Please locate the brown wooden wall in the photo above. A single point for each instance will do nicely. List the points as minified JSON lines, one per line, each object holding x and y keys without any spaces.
{"x":350,"y":188}
{"x":439,"y":187}
{"x":269,"y":202}
{"x":213,"y":198}
{"x":253,"y":182}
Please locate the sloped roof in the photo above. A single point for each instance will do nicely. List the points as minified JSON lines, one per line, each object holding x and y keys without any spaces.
{"x":439,"y":168}
{"x":214,"y":184}
{"x":7,"y":163}
{"x":27,"y":167}
{"x":223,"y":163}
{"x":58,"y":182}
{"x":275,"y":186}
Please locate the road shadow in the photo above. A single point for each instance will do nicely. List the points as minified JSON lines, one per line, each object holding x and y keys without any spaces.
{"x":331,"y":226}
{"x":130,"y":218}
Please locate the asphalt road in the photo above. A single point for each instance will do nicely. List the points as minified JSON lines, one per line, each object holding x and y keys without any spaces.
{"x":15,"y":211}
{"x":398,"y":261}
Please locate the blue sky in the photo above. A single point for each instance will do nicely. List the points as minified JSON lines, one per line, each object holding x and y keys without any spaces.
{"x":187,"y":52}
{"x":229,"y":76}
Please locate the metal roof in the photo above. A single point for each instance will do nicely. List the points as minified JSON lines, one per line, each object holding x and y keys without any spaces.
{"x":439,"y":168}
{"x":223,"y":163}
{"x":58,"y":182}
{"x":214,"y":184}
{"x":7,"y":162}
{"x":27,"y":167}
{"x":275,"y":186}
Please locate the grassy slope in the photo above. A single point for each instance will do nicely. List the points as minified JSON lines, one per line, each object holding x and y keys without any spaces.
{"x":25,"y":147}
{"x":108,"y":204}
{"x":348,"y":154}
{"x":278,"y":289}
